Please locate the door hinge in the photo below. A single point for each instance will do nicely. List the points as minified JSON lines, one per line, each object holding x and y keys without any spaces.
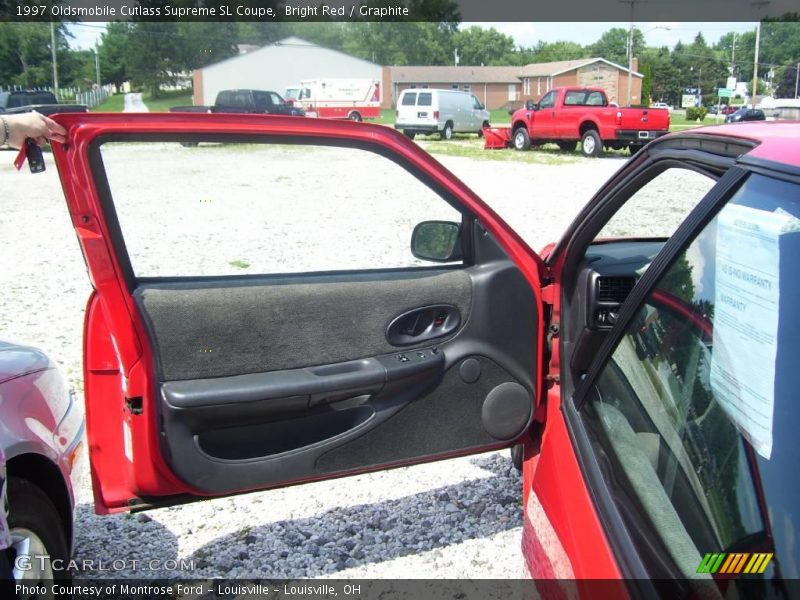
{"x":135,"y":405}
{"x":548,"y":294}
{"x":552,"y":332}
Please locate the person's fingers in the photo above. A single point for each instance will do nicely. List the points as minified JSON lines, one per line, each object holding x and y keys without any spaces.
{"x":35,"y":126}
{"x":55,"y":128}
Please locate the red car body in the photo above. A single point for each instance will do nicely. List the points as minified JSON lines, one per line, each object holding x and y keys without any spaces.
{"x":564,"y":536}
{"x":566,"y":114}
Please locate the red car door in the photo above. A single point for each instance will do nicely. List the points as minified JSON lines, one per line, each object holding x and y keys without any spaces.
{"x":544,"y":118}
{"x":571,"y":109}
{"x":203,"y":385}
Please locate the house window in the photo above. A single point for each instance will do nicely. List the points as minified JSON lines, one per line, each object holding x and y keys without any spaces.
{"x":454,"y":86}
{"x":467,"y":88}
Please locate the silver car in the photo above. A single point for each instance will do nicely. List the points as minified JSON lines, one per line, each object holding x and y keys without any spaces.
{"x":41,"y":430}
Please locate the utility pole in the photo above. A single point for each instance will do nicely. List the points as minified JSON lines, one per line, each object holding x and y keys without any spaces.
{"x":699,"y":93}
{"x":796,"y":78}
{"x":733,"y":54}
{"x":755,"y":64}
{"x":758,"y":4}
{"x":97,"y":61}
{"x":633,"y":3}
{"x":630,"y":56}
{"x":456,"y":58}
{"x":53,"y":55}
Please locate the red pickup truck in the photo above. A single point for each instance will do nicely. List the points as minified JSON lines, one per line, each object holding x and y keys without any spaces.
{"x":567,"y":115}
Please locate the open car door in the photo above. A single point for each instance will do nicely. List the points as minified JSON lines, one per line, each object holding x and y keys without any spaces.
{"x":259,"y":318}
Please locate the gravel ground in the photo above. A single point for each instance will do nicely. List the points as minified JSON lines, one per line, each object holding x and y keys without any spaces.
{"x":453,"y":519}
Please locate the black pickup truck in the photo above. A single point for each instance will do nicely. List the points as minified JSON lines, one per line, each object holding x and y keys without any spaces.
{"x":246,"y":101}
{"x":22,"y":101}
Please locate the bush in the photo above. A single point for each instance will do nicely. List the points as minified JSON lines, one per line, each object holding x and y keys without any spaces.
{"x":696,"y":113}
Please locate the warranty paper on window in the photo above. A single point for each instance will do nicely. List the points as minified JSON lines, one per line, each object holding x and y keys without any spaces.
{"x":747,"y":298}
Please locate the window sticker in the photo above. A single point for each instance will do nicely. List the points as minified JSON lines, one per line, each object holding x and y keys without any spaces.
{"x":747,"y":297}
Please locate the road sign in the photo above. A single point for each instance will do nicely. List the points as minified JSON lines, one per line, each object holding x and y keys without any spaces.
{"x":724,"y":93}
{"x":688,"y":100}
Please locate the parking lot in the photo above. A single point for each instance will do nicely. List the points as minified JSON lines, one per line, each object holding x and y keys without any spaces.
{"x":459,"y":518}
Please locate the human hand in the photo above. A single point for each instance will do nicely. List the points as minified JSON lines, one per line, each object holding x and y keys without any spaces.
{"x":31,"y":125}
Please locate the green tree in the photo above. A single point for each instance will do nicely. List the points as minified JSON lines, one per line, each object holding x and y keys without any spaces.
{"x":401,"y":43}
{"x":613,"y":45}
{"x":554,"y":51}
{"x":478,"y":46}
{"x":780,"y":42}
{"x":76,"y":68}
{"x":154,"y":55}
{"x":737,"y":51}
{"x":328,"y":34}
{"x":664,"y":84}
{"x":647,"y":84}
{"x":26,"y":53}
{"x":787,"y":88}
{"x":678,"y":280}
{"x":114,"y":53}
{"x":700,"y":66}
{"x":261,"y":33}
{"x":203,"y":43}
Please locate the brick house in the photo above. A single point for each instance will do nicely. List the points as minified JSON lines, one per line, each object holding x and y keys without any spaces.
{"x":537,"y":78}
{"x":494,"y":86}
{"x":506,"y":87}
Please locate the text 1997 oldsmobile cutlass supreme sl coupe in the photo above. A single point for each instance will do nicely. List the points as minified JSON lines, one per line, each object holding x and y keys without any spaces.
{"x":649,"y":380}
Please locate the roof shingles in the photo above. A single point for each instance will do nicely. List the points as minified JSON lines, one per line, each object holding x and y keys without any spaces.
{"x":468,"y":74}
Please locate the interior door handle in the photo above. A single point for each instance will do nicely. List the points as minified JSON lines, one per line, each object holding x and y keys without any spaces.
{"x":423,"y":324}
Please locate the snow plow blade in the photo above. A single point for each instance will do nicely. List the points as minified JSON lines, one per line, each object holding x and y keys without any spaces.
{"x":496,"y":137}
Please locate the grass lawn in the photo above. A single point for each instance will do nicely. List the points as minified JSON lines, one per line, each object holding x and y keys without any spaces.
{"x":167,"y":100}
{"x":499,"y":116}
{"x":679,"y":122}
{"x":386,"y":118}
{"x":113,"y":103}
{"x":467,"y":146}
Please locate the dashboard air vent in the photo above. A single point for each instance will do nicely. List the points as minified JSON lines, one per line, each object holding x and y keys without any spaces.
{"x":614,"y":289}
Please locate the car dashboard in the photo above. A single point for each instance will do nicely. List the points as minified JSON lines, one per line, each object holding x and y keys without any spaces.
{"x":606,"y":276}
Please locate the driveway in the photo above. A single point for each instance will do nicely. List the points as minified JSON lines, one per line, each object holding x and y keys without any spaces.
{"x":134,"y":103}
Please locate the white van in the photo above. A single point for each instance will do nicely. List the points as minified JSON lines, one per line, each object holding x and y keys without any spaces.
{"x":425,"y":110}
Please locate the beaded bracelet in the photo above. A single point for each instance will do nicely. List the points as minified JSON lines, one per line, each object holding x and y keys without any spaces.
{"x":6,"y":132}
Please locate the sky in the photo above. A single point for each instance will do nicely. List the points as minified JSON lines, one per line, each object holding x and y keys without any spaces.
{"x":656,"y":34}
{"x":527,"y":34}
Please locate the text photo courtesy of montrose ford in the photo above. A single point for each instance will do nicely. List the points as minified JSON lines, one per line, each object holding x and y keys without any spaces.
{"x":481,"y":309}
